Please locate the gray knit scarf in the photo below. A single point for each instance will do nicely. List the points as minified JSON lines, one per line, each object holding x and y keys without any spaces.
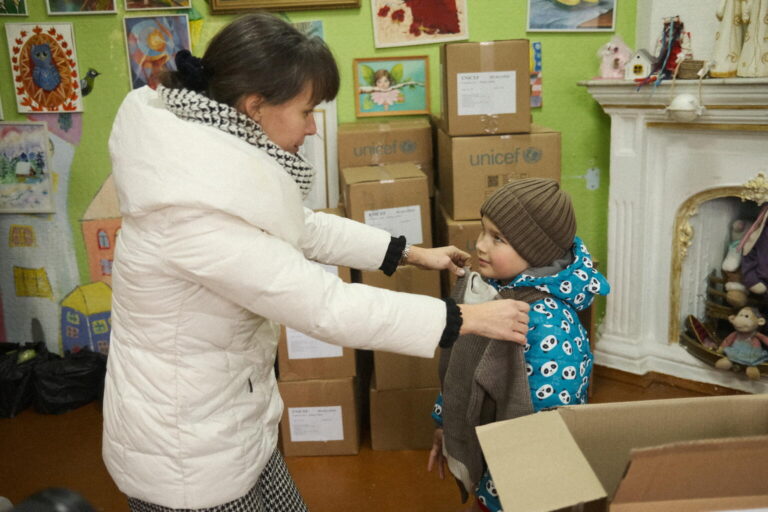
{"x":198,"y":108}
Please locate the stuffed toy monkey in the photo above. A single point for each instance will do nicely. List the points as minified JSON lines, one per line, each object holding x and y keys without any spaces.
{"x":745,"y":345}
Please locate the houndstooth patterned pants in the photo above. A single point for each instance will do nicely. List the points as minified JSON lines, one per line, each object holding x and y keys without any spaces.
{"x":274,"y":492}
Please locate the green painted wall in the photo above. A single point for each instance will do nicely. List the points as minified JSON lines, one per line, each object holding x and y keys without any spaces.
{"x":568,"y":58}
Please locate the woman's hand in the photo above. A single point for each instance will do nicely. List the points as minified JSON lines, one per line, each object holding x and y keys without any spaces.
{"x":504,"y":319}
{"x":438,"y":258}
{"x":436,"y":457}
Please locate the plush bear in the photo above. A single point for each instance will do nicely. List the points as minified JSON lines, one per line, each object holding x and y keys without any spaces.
{"x":745,"y":345}
{"x":735,"y":291}
{"x":614,"y":55}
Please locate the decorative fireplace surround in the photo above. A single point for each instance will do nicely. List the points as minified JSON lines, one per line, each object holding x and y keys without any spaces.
{"x":659,"y":168}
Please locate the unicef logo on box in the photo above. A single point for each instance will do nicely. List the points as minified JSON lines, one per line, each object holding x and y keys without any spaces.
{"x":532,"y":155}
{"x":407,"y":146}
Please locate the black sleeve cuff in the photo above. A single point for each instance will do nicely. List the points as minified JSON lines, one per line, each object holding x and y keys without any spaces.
{"x":394,"y":253}
{"x":453,"y":323}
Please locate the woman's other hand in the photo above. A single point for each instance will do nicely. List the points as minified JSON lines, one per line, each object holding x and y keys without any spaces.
{"x":436,"y":457}
{"x":438,"y":258}
{"x":504,"y":319}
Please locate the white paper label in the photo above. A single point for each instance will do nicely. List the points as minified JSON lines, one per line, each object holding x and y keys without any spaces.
{"x":315,"y":423}
{"x":403,"y":220}
{"x":489,"y":93}
{"x":301,"y":346}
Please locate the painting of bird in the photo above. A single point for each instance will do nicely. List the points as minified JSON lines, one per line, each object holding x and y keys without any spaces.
{"x":86,"y":84}
{"x":45,"y":74}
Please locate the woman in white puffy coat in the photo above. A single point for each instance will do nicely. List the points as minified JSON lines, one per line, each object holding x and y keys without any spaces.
{"x":216,"y":250}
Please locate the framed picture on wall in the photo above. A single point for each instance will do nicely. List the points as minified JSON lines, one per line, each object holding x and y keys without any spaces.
{"x":152,"y":43}
{"x":25,"y":174}
{"x":320,"y":151}
{"x":401,"y":23}
{"x":143,"y":5}
{"x":391,"y":86}
{"x":45,"y":74}
{"x":13,"y":8}
{"x":572,"y":15}
{"x":230,"y":6}
{"x":66,"y":7}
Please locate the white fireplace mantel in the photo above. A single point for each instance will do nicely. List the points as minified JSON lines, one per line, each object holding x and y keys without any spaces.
{"x":656,"y":164}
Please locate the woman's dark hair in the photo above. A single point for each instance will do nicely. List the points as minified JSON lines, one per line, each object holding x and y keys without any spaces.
{"x":259,"y":53}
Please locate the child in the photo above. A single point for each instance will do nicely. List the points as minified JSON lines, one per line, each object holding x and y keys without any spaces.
{"x":528,"y":251}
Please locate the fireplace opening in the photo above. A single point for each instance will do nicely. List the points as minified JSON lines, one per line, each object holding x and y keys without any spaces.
{"x":722,"y":313}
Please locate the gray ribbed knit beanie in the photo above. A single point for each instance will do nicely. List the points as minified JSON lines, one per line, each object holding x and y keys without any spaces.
{"x":535,"y":216}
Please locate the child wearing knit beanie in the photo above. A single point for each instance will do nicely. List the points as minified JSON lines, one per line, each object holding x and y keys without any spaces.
{"x":527,"y":250}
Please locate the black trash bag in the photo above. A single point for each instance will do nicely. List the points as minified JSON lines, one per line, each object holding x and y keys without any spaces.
{"x":16,"y":365}
{"x":65,"y":383}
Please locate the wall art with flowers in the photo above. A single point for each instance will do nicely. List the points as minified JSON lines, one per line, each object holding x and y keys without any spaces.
{"x":412,"y":22}
{"x":391,"y":86}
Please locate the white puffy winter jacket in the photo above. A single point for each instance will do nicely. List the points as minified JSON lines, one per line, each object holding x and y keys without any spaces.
{"x":214,"y":252}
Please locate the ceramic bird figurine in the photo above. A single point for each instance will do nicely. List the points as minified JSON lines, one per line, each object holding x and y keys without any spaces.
{"x":86,"y":84}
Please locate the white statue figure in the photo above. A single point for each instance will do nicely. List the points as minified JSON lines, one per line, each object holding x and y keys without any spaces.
{"x":754,"y":53}
{"x":728,"y":39}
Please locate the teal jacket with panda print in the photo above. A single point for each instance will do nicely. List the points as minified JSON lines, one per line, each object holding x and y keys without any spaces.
{"x":557,"y":354}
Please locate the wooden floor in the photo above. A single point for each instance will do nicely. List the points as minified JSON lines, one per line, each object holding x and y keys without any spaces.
{"x":40,"y":451}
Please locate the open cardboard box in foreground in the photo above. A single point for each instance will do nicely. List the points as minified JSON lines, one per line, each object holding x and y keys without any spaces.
{"x":577,"y":456}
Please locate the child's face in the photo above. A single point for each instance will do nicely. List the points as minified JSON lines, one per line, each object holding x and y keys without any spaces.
{"x":383,"y":82}
{"x":496,"y":257}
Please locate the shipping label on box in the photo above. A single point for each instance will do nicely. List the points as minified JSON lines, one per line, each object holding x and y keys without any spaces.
{"x":364,"y":143}
{"x":320,"y":417}
{"x":486,"y":88}
{"x":473,"y":168}
{"x":394,"y":197}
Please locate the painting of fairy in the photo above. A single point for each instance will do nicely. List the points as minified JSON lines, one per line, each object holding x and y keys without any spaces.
{"x":153,"y":42}
{"x":44,"y":67}
{"x":25,"y":177}
{"x":412,"y":22}
{"x":392,"y":86}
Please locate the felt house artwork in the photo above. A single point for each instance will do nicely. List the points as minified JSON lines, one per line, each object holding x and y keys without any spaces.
{"x":44,"y":67}
{"x":25,"y":173}
{"x":101,"y":226}
{"x":639,"y":65}
{"x":86,"y":318}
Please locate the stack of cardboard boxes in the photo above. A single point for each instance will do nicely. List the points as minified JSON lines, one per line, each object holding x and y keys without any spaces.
{"x":387,"y":177}
{"x":485,"y":138}
{"x":318,"y":383}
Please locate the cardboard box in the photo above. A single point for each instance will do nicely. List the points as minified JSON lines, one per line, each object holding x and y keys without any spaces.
{"x":320,"y":417}
{"x":401,"y":418}
{"x":368,"y":143}
{"x":302,"y":357}
{"x":486,"y":87}
{"x":473,"y":168}
{"x":396,"y":371}
{"x":713,"y":474}
{"x":408,"y":279}
{"x":394,"y":197}
{"x":461,"y":233}
{"x":578,"y":454}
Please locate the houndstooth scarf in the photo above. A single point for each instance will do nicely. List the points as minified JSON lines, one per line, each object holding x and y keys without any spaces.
{"x":198,"y":108}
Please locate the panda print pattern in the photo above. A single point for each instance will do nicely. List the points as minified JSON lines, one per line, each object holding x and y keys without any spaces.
{"x":558,"y":355}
